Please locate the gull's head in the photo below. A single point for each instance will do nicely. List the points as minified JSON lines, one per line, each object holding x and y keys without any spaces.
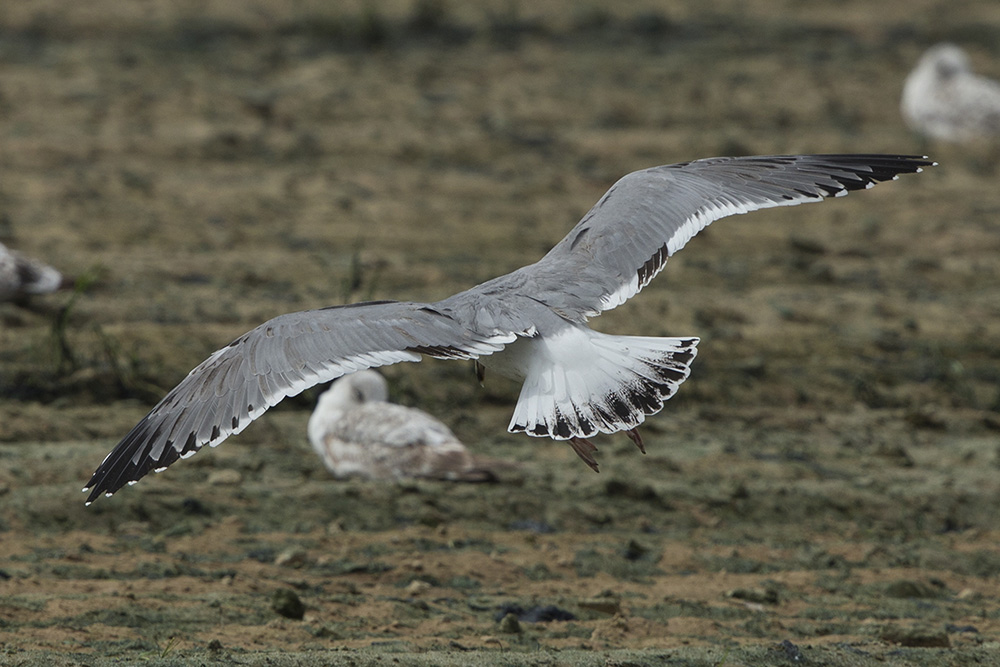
{"x":345,"y":393}
{"x":365,"y":386}
{"x":946,"y":60}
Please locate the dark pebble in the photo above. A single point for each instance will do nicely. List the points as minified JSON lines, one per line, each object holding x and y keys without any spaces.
{"x":288,"y":604}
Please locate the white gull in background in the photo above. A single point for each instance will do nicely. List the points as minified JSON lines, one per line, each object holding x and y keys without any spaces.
{"x":944,"y":99}
{"x":22,"y":276}
{"x":529,"y":324}
{"x":357,"y":432}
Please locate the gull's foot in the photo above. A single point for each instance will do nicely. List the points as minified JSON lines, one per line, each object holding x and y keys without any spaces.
{"x":585,"y":450}
{"x":633,"y":434}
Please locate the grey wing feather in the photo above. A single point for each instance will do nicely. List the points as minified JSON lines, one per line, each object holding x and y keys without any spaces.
{"x":280,"y":358}
{"x":647,"y":216}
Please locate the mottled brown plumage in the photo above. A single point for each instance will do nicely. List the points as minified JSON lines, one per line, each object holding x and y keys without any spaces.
{"x":944,"y":99}
{"x":358,"y":433}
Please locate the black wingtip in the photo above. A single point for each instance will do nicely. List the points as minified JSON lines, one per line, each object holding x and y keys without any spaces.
{"x":863,"y":170}
{"x":129,"y":462}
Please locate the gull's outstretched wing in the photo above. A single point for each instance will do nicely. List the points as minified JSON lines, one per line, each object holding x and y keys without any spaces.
{"x":647,"y":216}
{"x":609,"y":256}
{"x":280,"y":358}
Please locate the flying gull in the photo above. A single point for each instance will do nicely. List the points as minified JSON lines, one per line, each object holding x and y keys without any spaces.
{"x":22,"y":276}
{"x":944,"y":99}
{"x":529,"y":324}
{"x":358,"y":433}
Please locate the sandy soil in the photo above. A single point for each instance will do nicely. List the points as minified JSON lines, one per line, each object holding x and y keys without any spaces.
{"x":823,"y":490}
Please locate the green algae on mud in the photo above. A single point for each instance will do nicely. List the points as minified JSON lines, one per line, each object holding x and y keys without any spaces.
{"x":191,"y":569}
{"x":780,"y":654}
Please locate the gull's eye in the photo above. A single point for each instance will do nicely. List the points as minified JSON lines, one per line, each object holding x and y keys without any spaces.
{"x":358,"y":396}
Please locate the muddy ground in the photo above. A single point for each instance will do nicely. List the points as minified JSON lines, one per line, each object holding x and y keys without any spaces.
{"x":823,"y":490}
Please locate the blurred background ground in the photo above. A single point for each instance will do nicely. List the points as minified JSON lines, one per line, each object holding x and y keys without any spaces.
{"x":822,"y":490}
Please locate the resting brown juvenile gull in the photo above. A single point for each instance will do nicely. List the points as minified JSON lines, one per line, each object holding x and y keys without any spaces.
{"x":22,"y":276}
{"x":358,"y":433}
{"x":944,"y":99}
{"x":529,"y":324}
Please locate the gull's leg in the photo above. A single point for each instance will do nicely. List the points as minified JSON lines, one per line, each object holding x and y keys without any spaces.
{"x":633,"y":434}
{"x":585,"y":450}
